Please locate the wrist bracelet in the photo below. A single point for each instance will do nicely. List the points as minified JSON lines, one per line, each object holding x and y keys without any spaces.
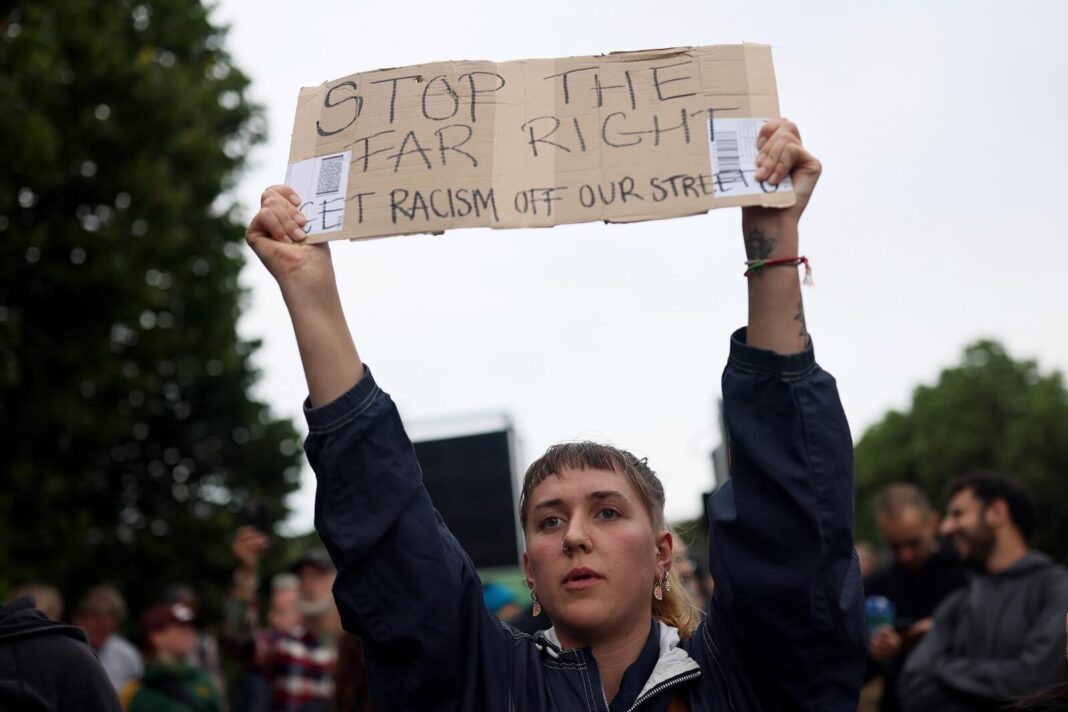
{"x":754,"y":265}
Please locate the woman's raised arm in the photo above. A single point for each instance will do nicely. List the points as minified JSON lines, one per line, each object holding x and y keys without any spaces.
{"x":403,"y":583}
{"x":787,"y":614}
{"x":776,"y":311}
{"x":305,"y":274}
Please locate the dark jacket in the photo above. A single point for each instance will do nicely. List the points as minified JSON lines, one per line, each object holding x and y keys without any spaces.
{"x":915,"y":595}
{"x":1000,"y":636}
{"x":784,"y":632}
{"x":45,"y":665}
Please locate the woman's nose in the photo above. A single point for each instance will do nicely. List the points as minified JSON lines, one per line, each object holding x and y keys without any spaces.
{"x":575,"y":538}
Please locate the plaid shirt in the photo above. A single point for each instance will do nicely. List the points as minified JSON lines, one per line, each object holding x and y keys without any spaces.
{"x":298,"y":665}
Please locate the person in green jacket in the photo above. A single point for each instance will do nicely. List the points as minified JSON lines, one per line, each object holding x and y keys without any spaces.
{"x":170,"y":684}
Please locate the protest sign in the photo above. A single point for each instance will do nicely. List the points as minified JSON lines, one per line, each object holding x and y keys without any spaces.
{"x":532,"y":143}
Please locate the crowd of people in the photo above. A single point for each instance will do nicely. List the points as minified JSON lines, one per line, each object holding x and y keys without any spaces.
{"x":294,"y":657}
{"x":964,"y":615}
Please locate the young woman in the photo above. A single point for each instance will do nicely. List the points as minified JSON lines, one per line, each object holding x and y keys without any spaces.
{"x":784,"y":630}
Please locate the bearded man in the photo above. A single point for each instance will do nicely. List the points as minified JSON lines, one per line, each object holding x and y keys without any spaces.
{"x":1003,"y":634}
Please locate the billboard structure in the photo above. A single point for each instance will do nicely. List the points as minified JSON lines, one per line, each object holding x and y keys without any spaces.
{"x":471,"y":477}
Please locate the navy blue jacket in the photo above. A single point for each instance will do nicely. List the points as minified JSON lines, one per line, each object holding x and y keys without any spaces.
{"x":784,"y":631}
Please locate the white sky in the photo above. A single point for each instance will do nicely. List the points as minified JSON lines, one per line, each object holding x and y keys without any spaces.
{"x":941,"y":129}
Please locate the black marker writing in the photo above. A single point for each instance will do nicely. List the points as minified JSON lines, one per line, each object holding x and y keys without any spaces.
{"x":328,"y":103}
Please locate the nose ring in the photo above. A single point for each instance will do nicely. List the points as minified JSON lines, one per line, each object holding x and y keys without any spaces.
{"x":567,"y":549}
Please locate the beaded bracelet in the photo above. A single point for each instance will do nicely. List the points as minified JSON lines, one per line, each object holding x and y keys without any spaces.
{"x":754,"y":265}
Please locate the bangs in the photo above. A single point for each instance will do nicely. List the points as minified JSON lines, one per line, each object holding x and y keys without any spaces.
{"x":594,"y":456}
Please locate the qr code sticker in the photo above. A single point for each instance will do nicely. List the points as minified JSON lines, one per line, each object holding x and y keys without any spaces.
{"x":322,"y":183}
{"x":330,"y":172}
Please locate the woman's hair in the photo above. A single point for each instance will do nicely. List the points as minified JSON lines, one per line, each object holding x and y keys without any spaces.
{"x":677,"y":609}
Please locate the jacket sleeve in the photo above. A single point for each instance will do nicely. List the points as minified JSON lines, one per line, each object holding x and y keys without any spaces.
{"x":919,"y":686}
{"x":404,"y":584}
{"x":787,"y":581}
{"x":1040,"y":662}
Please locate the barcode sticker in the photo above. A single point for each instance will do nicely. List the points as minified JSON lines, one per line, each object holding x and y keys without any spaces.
{"x":733,"y":152}
{"x":322,"y":183}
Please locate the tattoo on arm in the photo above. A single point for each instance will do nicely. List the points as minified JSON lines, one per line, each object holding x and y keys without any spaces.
{"x":800,"y":318}
{"x":758,"y":246}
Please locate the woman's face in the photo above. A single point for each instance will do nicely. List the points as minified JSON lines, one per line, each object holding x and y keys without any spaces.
{"x":592,"y":556}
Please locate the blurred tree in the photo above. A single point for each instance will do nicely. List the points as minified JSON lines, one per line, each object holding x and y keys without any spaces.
{"x":989,"y":412}
{"x":131,"y":446}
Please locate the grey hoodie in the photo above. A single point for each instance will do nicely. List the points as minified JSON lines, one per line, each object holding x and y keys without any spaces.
{"x":998,"y":637}
{"x":45,"y":665}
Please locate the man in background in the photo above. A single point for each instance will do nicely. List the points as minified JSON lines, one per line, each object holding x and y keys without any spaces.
{"x":1003,"y":634}
{"x":921,"y":574}
{"x":100,"y":613}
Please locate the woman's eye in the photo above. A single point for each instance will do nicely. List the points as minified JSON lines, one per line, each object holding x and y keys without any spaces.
{"x":609,"y":514}
{"x":550,"y":522}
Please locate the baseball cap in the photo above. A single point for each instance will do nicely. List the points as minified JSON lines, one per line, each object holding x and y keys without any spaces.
{"x":315,"y":556}
{"x":162,"y":615}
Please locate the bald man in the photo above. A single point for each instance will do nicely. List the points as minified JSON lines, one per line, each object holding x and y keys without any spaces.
{"x":923,"y":571}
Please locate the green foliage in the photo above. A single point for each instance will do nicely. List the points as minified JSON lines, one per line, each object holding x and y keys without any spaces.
{"x":990,"y":412}
{"x":131,"y":446}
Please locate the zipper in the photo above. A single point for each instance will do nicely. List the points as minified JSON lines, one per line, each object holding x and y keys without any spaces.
{"x":657,"y":689}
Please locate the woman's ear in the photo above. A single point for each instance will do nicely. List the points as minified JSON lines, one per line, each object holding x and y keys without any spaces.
{"x":528,"y":572}
{"x":665,"y":546}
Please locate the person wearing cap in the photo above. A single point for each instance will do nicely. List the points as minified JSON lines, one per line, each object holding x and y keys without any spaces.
{"x":170,"y":683}
{"x":205,"y":654}
{"x":293,"y":661}
{"x":317,"y":573}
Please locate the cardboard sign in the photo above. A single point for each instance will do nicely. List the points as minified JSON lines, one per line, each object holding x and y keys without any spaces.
{"x":533,"y":143}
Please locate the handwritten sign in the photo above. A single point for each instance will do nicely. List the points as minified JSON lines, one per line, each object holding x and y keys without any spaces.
{"x":532,"y":143}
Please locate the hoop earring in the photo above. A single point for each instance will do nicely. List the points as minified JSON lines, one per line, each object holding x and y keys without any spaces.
{"x":535,"y":610}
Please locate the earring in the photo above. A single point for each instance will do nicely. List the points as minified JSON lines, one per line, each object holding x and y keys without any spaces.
{"x":664,"y":584}
{"x":535,"y":610}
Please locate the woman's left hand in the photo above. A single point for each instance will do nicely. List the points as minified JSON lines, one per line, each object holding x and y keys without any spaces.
{"x":782,"y":154}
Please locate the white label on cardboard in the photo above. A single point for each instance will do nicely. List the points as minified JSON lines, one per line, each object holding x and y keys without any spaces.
{"x":733,"y":152}
{"x":322,"y":183}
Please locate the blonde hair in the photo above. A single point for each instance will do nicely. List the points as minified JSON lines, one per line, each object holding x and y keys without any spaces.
{"x":677,"y":608}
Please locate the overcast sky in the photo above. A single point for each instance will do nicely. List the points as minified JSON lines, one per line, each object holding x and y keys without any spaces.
{"x":938,"y":220}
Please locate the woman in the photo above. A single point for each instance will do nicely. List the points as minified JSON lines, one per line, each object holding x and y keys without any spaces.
{"x":784,"y":630}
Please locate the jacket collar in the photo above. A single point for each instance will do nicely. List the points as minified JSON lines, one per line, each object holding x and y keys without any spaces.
{"x":672,"y":663}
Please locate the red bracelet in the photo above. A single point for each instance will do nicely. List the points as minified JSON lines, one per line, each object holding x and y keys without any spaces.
{"x":754,"y":265}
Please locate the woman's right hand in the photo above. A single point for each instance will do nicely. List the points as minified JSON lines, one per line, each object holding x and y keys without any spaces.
{"x":276,"y":236}
{"x":305,"y":274}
